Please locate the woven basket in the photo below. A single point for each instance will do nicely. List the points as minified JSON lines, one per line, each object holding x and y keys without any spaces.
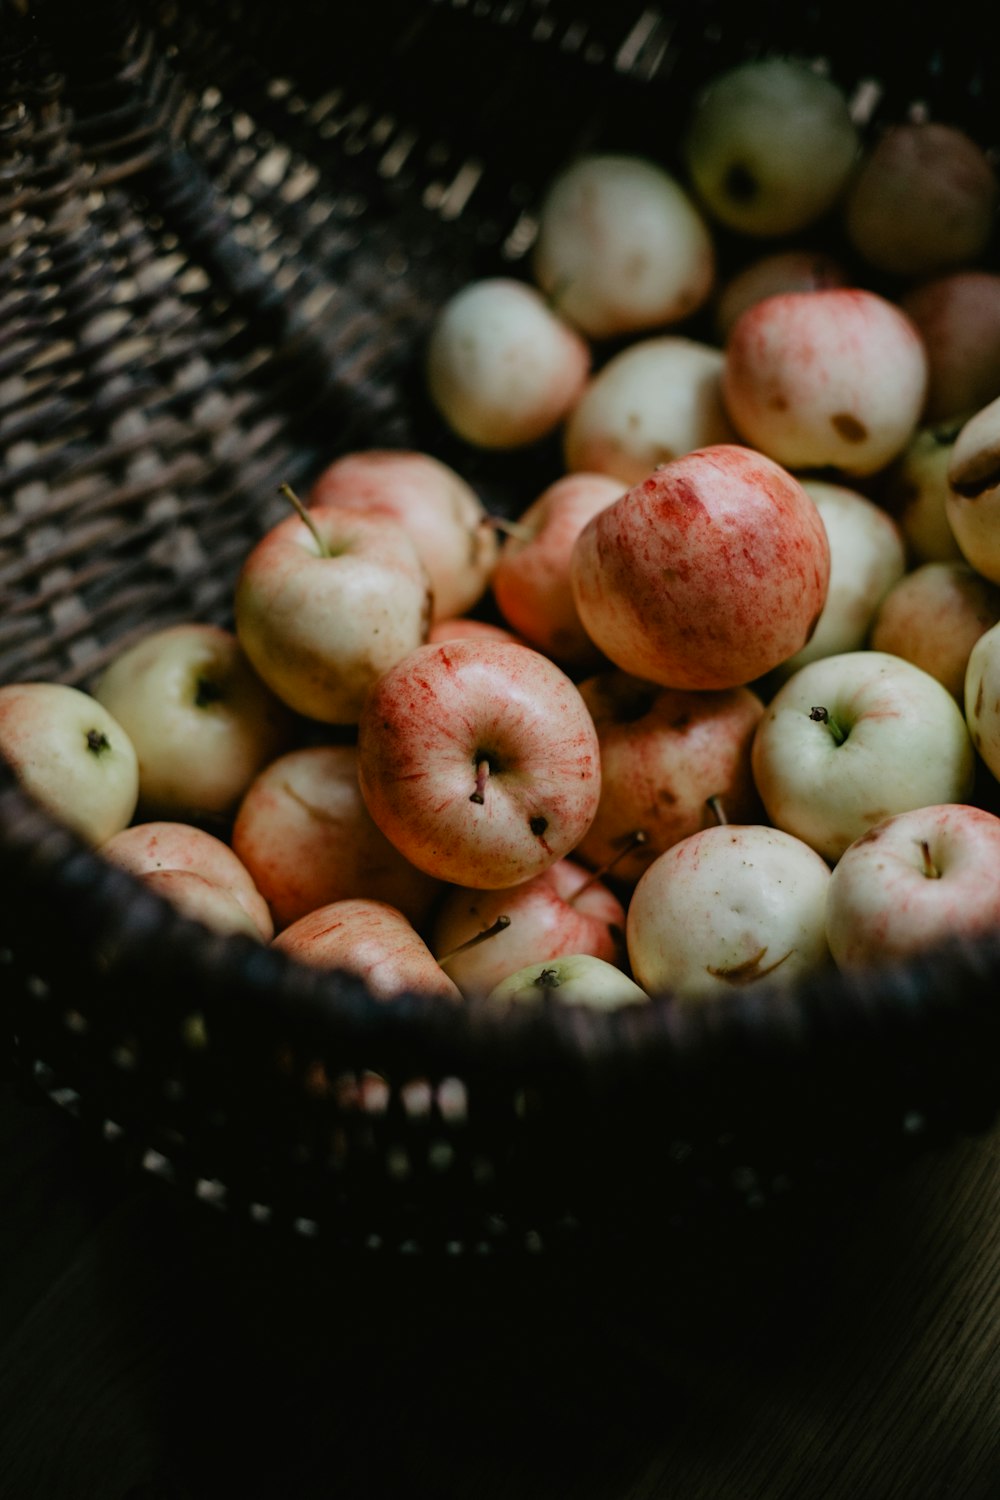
{"x":223,"y":241}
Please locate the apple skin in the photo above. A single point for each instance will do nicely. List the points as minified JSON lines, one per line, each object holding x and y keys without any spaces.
{"x":707,"y":574}
{"x":834,"y":378}
{"x":575,"y":979}
{"x":664,"y":753}
{"x":887,"y":903}
{"x":320,"y":630}
{"x":914,"y":490}
{"x":982,"y":698}
{"x":502,"y":369}
{"x":150,"y":848}
{"x":621,"y":246}
{"x":304,"y":833}
{"x":972,"y":504}
{"x":72,"y":755}
{"x":372,"y":940}
{"x":905,"y":745}
{"x":531,"y":582}
{"x":958,"y":317}
{"x":934,"y":616}
{"x":781,"y":271}
{"x":203,"y":900}
{"x":465,"y":628}
{"x":728,"y":907}
{"x":544,"y":925}
{"x":654,"y":401}
{"x":442,"y":515}
{"x":201,"y":720}
{"x":444,"y":712}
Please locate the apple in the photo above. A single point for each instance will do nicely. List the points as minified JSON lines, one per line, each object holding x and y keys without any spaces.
{"x":833,"y":378}
{"x":201,"y":720}
{"x":325,"y":603}
{"x":664,"y":754}
{"x":780,"y":271}
{"x":467,"y":628}
{"x":71,"y":755}
{"x":479,"y":761}
{"x":502,"y":369}
{"x":151,"y":848}
{"x":621,"y":247}
{"x":707,"y":574}
{"x":562,"y":910}
{"x":531,"y":581}
{"x":203,"y":900}
{"x":728,"y":907}
{"x":972,"y":504}
{"x":372,"y":940}
{"x":573,"y":979}
{"x":653,"y":401}
{"x":304,"y":833}
{"x":914,"y":489}
{"x":982,"y":698}
{"x":867,"y":557}
{"x":851,"y":740}
{"x":958,"y":318}
{"x":923,"y":200}
{"x":442,"y":515}
{"x":769,"y":146}
{"x":934,"y":616}
{"x":917,"y":879}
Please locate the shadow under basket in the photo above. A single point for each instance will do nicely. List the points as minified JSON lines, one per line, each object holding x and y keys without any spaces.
{"x":223,"y":241}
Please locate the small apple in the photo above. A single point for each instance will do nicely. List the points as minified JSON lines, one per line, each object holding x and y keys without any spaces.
{"x":201,"y":720}
{"x":914,"y":489}
{"x":664,"y":754}
{"x":769,"y":146}
{"x":150,"y":848}
{"x":562,"y":910}
{"x":203,"y":900}
{"x":958,"y":318}
{"x":325,"y":603}
{"x":833,"y":378}
{"x":780,"y":271}
{"x":304,"y":833}
{"x":728,"y":907}
{"x":574,"y":979}
{"x":531,"y":581}
{"x":372,"y":940}
{"x":707,"y":574}
{"x":479,"y":761}
{"x":502,"y":369}
{"x":852,"y":739}
{"x":71,"y":755}
{"x":982,"y":698}
{"x":621,"y":247}
{"x":442,"y":515}
{"x":973,"y":500}
{"x":934,"y":616}
{"x":653,"y":401}
{"x":923,"y":200}
{"x":467,"y":628}
{"x":916,"y":879}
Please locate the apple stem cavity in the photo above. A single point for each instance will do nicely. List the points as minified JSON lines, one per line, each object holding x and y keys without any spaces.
{"x":207,"y":692}
{"x":305,"y":517}
{"x":929,"y":867}
{"x":500,"y":925}
{"x":547,"y":979}
{"x":482,"y":776}
{"x":97,"y":742}
{"x":634,"y":841}
{"x":821,"y":716}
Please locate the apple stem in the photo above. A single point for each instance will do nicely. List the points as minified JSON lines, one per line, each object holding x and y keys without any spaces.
{"x":509,"y":528}
{"x":293,"y":499}
{"x":930,"y":868}
{"x":822,"y":716}
{"x":482,"y":776}
{"x":716,"y":808}
{"x":500,"y":925}
{"x":635,"y":841}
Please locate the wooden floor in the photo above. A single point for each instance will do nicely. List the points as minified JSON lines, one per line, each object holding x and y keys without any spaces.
{"x":152,"y":1349}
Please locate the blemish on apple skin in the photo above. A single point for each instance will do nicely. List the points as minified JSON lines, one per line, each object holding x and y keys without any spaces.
{"x":750,"y":970}
{"x":848,"y":427}
{"x":538,"y":824}
{"x":979,"y":700}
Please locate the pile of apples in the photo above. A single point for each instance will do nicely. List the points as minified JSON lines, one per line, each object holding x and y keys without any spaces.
{"x":712,"y":710}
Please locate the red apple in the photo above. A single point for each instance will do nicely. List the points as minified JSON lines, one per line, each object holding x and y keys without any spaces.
{"x":372,"y":940}
{"x":707,"y":574}
{"x":479,"y":761}
{"x":152,"y":848}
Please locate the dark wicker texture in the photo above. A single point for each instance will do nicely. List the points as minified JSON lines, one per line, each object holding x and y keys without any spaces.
{"x":222,"y":243}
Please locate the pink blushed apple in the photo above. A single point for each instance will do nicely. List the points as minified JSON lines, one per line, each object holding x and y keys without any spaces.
{"x":934,"y":616}
{"x":707,"y":574}
{"x":479,"y":761}
{"x":563,"y":910}
{"x":920,"y":878}
{"x":151,"y":848}
{"x":372,"y":940}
